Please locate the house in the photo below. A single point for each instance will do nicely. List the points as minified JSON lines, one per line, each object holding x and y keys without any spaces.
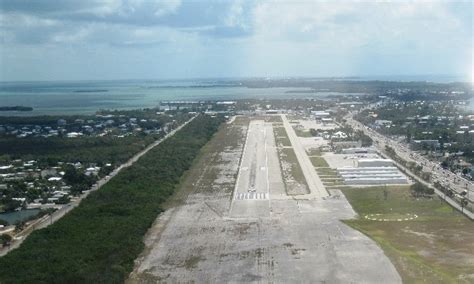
{"x":420,"y":144}
{"x":92,"y":171}
{"x":381,"y":122}
{"x":339,"y":135}
{"x":73,"y":134}
{"x":48,"y":172}
{"x":319,"y":114}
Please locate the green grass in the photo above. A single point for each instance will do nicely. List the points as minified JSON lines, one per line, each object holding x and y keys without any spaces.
{"x":280,"y":132}
{"x":327,"y":171}
{"x":313,"y":152}
{"x":302,"y":133}
{"x":296,"y":172}
{"x":319,"y":162}
{"x":434,"y":248}
{"x":281,"y":137}
{"x":283,"y":141}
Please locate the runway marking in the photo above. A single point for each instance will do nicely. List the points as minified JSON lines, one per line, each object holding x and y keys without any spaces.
{"x":252,"y":196}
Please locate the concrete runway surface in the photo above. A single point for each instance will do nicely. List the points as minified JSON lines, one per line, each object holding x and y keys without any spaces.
{"x":259,"y":170}
{"x":219,"y":237}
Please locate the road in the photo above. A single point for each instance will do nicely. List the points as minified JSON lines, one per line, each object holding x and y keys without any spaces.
{"x":48,"y":220}
{"x":315,"y":185}
{"x":446,"y":178}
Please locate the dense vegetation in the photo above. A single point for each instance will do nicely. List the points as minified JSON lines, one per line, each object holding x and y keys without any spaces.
{"x":357,"y":86}
{"x":86,"y":149}
{"x":98,"y":241}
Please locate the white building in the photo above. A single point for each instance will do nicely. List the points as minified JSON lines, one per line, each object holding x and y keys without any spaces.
{"x":372,"y":175}
{"x":374,"y":163}
{"x":359,"y":150}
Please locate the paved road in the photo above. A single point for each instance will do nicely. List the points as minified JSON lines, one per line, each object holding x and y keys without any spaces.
{"x":405,"y":153}
{"x":316,"y":187}
{"x":46,"y":221}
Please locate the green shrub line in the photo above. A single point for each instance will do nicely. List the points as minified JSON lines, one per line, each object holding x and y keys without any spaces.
{"x":98,"y":241}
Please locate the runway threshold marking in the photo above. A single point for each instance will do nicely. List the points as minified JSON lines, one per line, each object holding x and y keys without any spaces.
{"x":252,"y":196}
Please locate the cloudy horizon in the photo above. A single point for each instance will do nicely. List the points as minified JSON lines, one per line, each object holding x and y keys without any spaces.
{"x":144,"y":39}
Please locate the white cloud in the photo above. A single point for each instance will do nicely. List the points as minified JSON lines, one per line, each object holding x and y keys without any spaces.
{"x":234,"y":16}
{"x":355,"y":37}
{"x":254,"y":37}
{"x":355,"y":24}
{"x":157,"y":7}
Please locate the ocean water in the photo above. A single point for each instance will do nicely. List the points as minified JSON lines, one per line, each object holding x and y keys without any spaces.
{"x":57,"y":98}
{"x":86,"y":97}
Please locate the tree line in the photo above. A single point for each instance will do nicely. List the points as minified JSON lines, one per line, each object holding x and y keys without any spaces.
{"x":98,"y":241}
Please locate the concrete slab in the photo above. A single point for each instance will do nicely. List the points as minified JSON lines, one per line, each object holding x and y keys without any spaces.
{"x":253,"y":180}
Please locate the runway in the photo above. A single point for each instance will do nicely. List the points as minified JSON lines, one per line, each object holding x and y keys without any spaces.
{"x":259,"y":176}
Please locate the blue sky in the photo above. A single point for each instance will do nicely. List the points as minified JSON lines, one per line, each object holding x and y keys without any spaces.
{"x":152,"y":39}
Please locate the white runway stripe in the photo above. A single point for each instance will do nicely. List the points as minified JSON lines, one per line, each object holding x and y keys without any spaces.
{"x":251,"y":196}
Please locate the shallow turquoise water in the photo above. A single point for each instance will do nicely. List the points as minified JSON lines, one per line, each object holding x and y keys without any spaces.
{"x":88,"y":97}
{"x":13,"y":217}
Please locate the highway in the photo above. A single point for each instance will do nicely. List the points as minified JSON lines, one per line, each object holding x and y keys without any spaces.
{"x":438,"y":174}
{"x":48,"y":220}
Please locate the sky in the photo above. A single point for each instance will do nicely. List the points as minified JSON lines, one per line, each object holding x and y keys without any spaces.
{"x":164,"y":39}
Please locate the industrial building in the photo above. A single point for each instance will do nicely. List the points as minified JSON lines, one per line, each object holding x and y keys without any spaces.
{"x":372,"y":172}
{"x":359,"y":150}
{"x":374,"y":163}
{"x":372,"y":175}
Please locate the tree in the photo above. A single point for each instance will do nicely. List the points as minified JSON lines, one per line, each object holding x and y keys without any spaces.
{"x":5,"y":239}
{"x":77,"y":189}
{"x":20,"y":226}
{"x":10,"y":204}
{"x":419,"y":189}
{"x":72,"y":175}
{"x":63,"y":200}
{"x":464,"y":203}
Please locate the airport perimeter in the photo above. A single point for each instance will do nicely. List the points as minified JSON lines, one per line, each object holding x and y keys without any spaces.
{"x":238,"y":224}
